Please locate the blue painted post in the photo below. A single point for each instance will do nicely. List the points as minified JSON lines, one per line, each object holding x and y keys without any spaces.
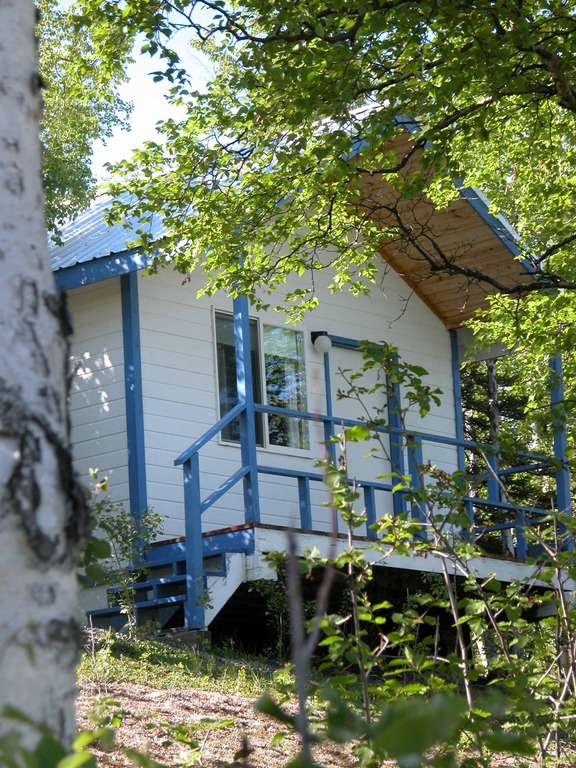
{"x":194,"y":606}
{"x":248,"y":416}
{"x":563,"y":498}
{"x":133,"y":394}
{"x":458,"y":412}
{"x":396,"y":447}
{"x":520,"y":528}
{"x":493,"y":481}
{"x":329,"y":425}
{"x":370,"y":507}
{"x":415,"y":463}
{"x":304,"y":502}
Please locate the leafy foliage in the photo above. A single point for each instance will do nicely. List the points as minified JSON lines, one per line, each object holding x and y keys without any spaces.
{"x":116,"y":545}
{"x":273,"y":164}
{"x":400,"y":690}
{"x":81,"y":105}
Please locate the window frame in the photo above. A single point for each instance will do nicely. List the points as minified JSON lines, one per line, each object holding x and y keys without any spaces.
{"x":265,"y":445}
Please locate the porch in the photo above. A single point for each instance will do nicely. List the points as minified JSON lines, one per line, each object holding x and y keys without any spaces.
{"x":192,"y":578}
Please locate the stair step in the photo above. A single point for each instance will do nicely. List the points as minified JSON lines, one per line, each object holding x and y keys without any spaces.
{"x":161,"y":593}
{"x":156,"y":585}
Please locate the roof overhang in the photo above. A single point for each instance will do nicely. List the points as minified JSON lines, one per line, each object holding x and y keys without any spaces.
{"x":464,"y":235}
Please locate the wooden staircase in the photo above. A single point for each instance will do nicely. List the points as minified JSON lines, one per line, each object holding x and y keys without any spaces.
{"x":160,"y":596}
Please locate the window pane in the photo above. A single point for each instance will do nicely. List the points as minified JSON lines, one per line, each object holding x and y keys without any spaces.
{"x":285,"y":377}
{"x":226,"y":359}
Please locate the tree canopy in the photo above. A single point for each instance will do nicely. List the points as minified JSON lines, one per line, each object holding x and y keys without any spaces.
{"x":80,"y":105}
{"x":267,"y":167}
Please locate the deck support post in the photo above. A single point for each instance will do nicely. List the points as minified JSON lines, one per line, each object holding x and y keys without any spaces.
{"x":248,"y":416}
{"x":459,"y":416}
{"x":563,"y":498}
{"x":329,"y":423}
{"x":195,"y":588}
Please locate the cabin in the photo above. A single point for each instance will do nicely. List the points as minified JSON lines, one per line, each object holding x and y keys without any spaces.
{"x":215,"y":415}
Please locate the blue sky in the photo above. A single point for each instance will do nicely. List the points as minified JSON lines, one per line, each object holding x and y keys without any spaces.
{"x":149,"y":103}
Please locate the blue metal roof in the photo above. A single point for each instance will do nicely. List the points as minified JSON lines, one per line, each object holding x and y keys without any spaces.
{"x":88,"y":237}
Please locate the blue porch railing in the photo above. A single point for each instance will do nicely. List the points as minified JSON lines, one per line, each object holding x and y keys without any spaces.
{"x":517,"y":516}
{"x":406,"y":450}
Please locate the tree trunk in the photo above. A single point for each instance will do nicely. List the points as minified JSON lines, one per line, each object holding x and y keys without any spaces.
{"x":41,"y":510}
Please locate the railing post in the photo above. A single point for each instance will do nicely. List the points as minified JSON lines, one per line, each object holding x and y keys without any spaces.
{"x":194,"y":605}
{"x":415,"y":462}
{"x":248,"y":416}
{"x":396,"y":447}
{"x":493,"y":481}
{"x":370,"y":507}
{"x":329,"y":423}
{"x":458,"y":413}
{"x":520,"y":528}
{"x":563,"y":498}
{"x":304,"y":502}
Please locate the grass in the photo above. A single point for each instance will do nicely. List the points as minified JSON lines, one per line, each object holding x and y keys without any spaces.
{"x":115,"y":658}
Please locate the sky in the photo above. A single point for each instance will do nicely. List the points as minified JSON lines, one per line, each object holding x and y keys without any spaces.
{"x":149,"y":104}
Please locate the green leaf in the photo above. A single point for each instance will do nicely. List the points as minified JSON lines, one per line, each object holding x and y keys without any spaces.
{"x":268,"y":706}
{"x":410,"y":728}
{"x":358,"y":433}
{"x":507,"y":741}
{"x":49,"y":752}
{"x":79,"y":759}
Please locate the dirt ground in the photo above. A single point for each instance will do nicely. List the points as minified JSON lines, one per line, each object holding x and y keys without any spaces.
{"x":152,"y":719}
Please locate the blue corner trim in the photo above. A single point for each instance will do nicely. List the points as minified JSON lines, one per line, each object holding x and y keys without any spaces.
{"x":95,"y":270}
{"x":133,"y":392}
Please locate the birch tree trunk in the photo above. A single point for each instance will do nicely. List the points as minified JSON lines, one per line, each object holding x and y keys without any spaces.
{"x":41,"y":511}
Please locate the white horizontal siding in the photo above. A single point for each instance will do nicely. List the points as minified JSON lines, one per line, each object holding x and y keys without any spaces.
{"x":97,"y":395}
{"x":180,"y":401}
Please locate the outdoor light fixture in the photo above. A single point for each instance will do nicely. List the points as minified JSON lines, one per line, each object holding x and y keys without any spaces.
{"x":321,"y":342}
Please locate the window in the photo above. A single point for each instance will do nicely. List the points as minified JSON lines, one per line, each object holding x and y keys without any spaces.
{"x":277,"y":357}
{"x":226,"y":358}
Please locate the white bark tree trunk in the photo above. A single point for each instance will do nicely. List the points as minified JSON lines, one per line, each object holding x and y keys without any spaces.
{"x":41,"y":511}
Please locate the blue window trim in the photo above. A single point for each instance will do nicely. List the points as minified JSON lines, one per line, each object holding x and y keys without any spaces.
{"x":95,"y":270}
{"x":133,"y":393}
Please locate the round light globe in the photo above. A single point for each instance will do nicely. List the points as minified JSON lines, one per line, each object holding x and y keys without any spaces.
{"x":322,"y":343}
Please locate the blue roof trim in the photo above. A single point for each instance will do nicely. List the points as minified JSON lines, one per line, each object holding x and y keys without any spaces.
{"x":98,"y":269}
{"x":503,"y":232}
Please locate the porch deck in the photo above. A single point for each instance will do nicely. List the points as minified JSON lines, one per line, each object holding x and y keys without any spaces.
{"x":192,"y":578}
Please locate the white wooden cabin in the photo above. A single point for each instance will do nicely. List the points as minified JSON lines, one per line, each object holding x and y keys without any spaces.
{"x":154,"y":372}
